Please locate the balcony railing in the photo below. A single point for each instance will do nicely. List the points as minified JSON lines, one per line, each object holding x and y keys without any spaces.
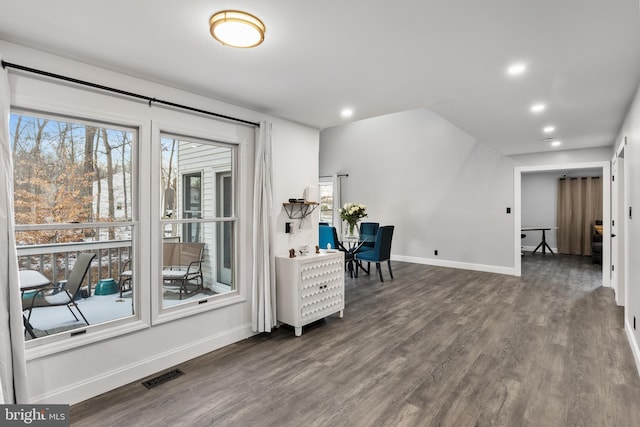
{"x":55,"y":261}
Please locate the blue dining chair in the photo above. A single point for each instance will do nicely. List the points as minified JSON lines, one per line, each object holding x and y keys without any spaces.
{"x":368,"y":231}
{"x":325,"y":236}
{"x":381,"y":252}
{"x":328,"y":234}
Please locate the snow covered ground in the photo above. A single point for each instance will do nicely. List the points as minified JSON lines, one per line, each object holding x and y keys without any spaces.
{"x":97,"y":309}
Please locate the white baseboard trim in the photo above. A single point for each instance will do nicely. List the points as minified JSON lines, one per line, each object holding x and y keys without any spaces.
{"x":107,"y":381}
{"x":456,"y":264}
{"x":633,"y":343}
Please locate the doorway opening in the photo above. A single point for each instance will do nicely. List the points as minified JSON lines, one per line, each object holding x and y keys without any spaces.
{"x":606,"y":212}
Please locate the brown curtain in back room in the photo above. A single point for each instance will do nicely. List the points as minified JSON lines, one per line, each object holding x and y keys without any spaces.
{"x":579,"y":206}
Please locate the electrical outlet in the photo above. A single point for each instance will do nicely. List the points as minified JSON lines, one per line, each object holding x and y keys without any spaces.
{"x":435,"y":252}
{"x":508,"y":210}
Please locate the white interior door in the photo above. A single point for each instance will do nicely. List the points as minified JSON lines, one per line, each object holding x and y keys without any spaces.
{"x":615,"y":224}
{"x":618,"y":220}
{"x":621,"y":230}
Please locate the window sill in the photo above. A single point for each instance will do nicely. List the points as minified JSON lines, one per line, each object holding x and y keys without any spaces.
{"x":66,"y":341}
{"x":196,"y":307}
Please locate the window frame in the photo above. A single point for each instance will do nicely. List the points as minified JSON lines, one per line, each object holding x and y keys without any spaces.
{"x":199,"y":128}
{"x":183,"y":175}
{"x":218,"y":183}
{"x":140,"y":319}
{"x":41,"y":96}
{"x":328,"y":181}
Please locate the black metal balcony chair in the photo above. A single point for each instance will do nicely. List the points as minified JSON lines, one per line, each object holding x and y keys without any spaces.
{"x":64,"y":292}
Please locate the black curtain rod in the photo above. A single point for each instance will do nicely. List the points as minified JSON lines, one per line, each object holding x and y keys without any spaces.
{"x":581,"y":177}
{"x":149,"y":99}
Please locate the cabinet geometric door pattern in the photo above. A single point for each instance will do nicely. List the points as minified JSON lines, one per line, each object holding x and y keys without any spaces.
{"x":309,"y":288}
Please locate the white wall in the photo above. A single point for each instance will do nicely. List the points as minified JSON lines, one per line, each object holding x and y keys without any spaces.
{"x":295,"y":167}
{"x":631,"y":131}
{"x":539,"y":207}
{"x":440,"y":188}
{"x":82,"y":372}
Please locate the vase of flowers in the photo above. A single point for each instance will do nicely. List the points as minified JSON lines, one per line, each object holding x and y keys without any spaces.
{"x":352,"y":213}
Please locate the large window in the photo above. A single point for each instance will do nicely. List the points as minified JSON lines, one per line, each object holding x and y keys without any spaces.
{"x":325,"y":188}
{"x":73,"y":194}
{"x":198,"y":219}
{"x":159,"y":199}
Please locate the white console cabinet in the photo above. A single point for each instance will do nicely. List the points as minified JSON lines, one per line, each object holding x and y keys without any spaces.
{"x":309,"y":288}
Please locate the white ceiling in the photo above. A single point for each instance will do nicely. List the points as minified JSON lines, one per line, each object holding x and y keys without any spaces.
{"x":376,"y":56}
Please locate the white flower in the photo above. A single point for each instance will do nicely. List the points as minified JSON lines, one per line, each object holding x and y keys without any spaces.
{"x":352,"y":212}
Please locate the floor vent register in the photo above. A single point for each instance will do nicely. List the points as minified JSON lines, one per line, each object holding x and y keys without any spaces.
{"x":162,"y":378}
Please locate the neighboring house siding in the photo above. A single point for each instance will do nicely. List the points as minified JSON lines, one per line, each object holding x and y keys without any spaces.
{"x":209,"y":160}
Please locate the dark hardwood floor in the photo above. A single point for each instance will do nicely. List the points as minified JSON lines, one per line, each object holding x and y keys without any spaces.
{"x":434,"y":346}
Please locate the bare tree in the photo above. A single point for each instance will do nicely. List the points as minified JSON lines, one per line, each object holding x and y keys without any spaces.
{"x":41,"y":124}
{"x":88,"y":165}
{"x":170,"y":189}
{"x":16,"y":136}
{"x":125,"y":142}
{"x":170,"y":192}
{"x":111,"y":206}
{"x":98,"y":180}
{"x":47,"y":182}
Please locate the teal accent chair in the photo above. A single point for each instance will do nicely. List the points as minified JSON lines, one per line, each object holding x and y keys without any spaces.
{"x":381,"y":252}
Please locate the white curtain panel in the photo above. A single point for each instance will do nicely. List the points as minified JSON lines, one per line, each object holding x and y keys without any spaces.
{"x":337,"y":202}
{"x":13,"y":368}
{"x":263,"y":309}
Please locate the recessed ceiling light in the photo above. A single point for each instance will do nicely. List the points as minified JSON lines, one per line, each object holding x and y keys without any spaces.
{"x":516,"y":69}
{"x":236,"y":28}
{"x":556,"y":143}
{"x":346,"y":113}
{"x":538,"y":108}
{"x":548,"y":129}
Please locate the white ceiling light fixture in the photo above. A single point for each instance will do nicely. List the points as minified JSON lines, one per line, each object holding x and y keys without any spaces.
{"x":237,"y":29}
{"x":538,"y":108}
{"x":346,"y":113}
{"x":548,"y":129}
{"x":517,"y":69}
{"x":556,"y":143}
